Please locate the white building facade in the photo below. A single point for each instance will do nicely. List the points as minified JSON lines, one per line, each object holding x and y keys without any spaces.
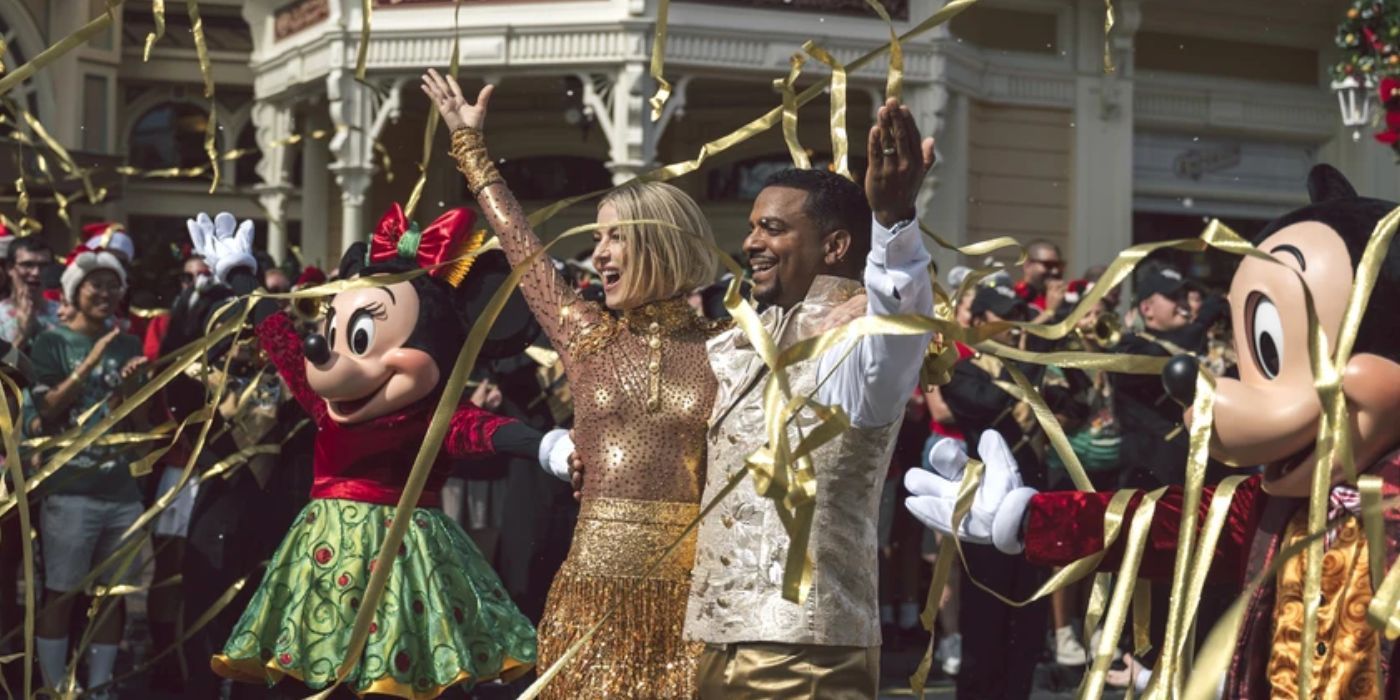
{"x":1214,"y":109}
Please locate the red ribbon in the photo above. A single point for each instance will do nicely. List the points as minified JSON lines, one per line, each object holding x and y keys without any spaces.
{"x":437,"y":243}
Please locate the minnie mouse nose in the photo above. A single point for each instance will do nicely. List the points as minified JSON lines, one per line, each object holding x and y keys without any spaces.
{"x":316,"y":349}
{"x":1179,"y":379}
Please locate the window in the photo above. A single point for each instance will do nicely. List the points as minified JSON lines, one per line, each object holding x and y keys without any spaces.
{"x":171,"y":135}
{"x":743,"y":180}
{"x":95,"y":111}
{"x":554,"y":177}
{"x":245,"y":169}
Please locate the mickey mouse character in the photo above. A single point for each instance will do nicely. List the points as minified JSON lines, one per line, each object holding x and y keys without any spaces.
{"x":1269,"y":416}
{"x":370,"y":379}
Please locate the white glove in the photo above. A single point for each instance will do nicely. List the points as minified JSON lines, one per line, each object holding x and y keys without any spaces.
{"x":555,"y":449}
{"x":222,"y":248}
{"x":997,"y":507}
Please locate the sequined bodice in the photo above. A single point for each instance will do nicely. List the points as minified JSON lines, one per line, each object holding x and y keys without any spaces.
{"x":642,"y":385}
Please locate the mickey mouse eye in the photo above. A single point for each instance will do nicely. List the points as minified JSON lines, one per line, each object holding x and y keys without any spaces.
{"x":1266,"y":336}
{"x":361,"y":332}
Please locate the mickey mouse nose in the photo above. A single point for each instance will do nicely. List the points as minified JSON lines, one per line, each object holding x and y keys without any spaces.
{"x":316,"y":349}
{"x":1179,"y":379}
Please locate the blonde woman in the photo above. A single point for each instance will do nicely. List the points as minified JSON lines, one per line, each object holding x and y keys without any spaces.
{"x":643,"y":391}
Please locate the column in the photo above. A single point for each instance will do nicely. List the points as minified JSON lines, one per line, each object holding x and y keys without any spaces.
{"x":273,"y":123}
{"x":315,"y":190}
{"x":625,"y":118}
{"x":1101,"y":218}
{"x":942,"y":202}
{"x":359,"y":114}
{"x":352,"y":111}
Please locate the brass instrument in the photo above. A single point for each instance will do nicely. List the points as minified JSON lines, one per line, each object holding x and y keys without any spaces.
{"x":1108,"y":330}
{"x":308,"y":309}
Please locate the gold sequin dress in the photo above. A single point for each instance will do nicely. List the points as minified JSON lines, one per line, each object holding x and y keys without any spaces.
{"x":643,"y":390}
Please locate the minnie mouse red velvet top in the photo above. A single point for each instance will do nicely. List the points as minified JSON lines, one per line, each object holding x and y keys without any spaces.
{"x":370,"y":461}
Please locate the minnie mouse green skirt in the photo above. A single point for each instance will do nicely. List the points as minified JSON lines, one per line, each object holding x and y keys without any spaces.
{"x":444,"y":619}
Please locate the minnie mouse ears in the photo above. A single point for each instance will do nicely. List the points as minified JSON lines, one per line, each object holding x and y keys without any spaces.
{"x":515,"y":327}
{"x":1327,"y":184}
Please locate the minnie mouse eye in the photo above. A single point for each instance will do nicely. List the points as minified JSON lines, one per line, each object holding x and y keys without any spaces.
{"x":1266,"y":336}
{"x":361,"y":332}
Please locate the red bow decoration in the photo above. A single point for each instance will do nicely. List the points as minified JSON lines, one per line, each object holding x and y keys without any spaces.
{"x":447,"y":240}
{"x":1390,"y":101}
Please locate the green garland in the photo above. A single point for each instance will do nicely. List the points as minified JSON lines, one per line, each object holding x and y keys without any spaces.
{"x":1369,"y":38}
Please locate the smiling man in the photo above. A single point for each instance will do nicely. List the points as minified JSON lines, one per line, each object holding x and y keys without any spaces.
{"x":81,"y":370}
{"x":816,"y":242}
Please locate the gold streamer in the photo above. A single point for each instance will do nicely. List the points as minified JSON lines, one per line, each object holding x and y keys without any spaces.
{"x":658,"y":56}
{"x":218,"y":391}
{"x":1203,"y":405}
{"x":894,"y":79}
{"x":430,"y":130}
{"x":13,"y":462}
{"x":1108,"y":67}
{"x":201,"y":50}
{"x":432,"y":440}
{"x":205,"y":618}
{"x":362,"y":51}
{"x":64,"y":45}
{"x":785,"y":86}
{"x":193,"y":351}
{"x":157,"y":14}
{"x":1092,"y":686}
{"x":840,"y":141}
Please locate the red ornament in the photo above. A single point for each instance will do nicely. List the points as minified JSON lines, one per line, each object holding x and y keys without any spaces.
{"x":285,"y":659}
{"x":344,"y":580}
{"x":402,"y":661}
{"x":323,"y":555}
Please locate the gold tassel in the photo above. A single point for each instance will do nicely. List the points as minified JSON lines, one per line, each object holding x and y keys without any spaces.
{"x":461,"y":257}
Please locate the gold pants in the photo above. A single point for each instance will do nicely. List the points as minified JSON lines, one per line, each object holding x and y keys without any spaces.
{"x":765,"y":671}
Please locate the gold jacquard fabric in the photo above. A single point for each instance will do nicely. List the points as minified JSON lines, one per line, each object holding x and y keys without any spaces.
{"x":1347,"y":649}
{"x":639,"y":652}
{"x":643,"y":390}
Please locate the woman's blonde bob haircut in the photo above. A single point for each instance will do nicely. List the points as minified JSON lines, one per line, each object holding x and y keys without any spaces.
{"x":662,"y":262}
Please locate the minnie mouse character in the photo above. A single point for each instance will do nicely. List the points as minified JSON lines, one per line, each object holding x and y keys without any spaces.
{"x":370,"y":379}
{"x":1269,"y":416}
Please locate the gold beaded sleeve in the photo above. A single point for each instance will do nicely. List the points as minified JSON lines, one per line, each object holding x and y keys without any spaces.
{"x":561,"y":312}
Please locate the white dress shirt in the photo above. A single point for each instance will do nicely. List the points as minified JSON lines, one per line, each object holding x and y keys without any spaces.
{"x":876,"y":379}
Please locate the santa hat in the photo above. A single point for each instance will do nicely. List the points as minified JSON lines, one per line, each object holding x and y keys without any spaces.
{"x":109,"y":236}
{"x":83,"y":262}
{"x":6,"y":238}
{"x":310,"y":276}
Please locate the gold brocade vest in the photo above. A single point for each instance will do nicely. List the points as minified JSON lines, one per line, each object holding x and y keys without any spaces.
{"x":736,"y":585}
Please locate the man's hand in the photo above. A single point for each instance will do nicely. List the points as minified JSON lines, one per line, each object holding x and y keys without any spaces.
{"x":23,"y":301}
{"x":576,"y":475}
{"x":898,"y":161}
{"x":852,"y":309}
{"x":456,"y":112}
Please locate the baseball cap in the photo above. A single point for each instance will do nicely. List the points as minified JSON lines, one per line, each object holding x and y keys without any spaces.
{"x":998,"y":299}
{"x":1164,"y":280}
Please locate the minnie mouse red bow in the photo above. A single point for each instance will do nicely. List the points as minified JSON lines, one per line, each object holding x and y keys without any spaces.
{"x":449,"y":238}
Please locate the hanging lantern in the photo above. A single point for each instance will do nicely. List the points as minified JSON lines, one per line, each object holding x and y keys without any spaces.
{"x":1354,"y":99}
